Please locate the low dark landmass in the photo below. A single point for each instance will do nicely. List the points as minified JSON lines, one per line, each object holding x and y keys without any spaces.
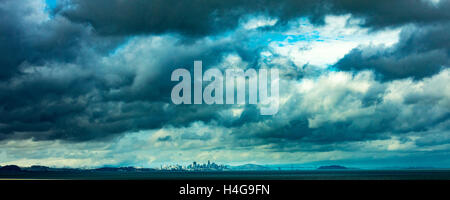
{"x":250,"y":167}
{"x":332,"y":167}
{"x":10,"y":168}
{"x":243,"y":172}
{"x":123,"y":169}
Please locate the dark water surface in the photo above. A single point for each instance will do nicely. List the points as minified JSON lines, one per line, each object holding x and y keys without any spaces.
{"x":240,"y":175}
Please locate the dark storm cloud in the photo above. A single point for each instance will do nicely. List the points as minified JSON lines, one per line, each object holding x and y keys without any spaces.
{"x":194,"y":18}
{"x":421,"y":52}
{"x":200,"y":18}
{"x":26,"y":37}
{"x":337,"y":115}
{"x":90,"y":99}
{"x":56,"y":87}
{"x":385,"y":13}
{"x":203,"y":17}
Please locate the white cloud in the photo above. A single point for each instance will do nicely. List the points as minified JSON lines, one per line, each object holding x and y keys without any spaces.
{"x":259,"y":21}
{"x":322,"y":46}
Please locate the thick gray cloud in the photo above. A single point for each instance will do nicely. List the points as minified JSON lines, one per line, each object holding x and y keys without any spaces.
{"x":422,"y":51}
{"x":337,"y":107}
{"x":385,"y":13}
{"x":99,"y":97}
{"x":193,"y":18}
{"x":202,"y":17}
{"x":29,"y":35}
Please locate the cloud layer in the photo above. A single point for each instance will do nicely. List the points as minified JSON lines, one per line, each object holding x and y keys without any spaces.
{"x":359,"y":80}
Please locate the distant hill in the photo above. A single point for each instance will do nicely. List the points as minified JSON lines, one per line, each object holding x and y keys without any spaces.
{"x":123,"y":169}
{"x":332,"y":167}
{"x":10,"y":168}
{"x":245,"y":167}
{"x":37,"y":168}
{"x":250,"y":167}
{"x":116,"y":169}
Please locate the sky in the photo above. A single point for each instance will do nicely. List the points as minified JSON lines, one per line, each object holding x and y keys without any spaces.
{"x":87,"y":83}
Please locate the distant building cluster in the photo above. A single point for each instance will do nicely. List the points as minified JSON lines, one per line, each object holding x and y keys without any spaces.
{"x":210,"y":166}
